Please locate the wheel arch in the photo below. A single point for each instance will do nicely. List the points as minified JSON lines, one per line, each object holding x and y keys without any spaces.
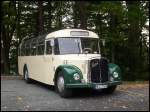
{"x":115,"y":68}
{"x":68,"y":71}
{"x":56,"y":74}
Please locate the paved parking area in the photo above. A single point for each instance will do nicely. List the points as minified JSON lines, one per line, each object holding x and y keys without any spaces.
{"x":16,"y":95}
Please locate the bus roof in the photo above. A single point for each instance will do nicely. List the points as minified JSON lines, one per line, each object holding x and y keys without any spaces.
{"x":72,"y":33}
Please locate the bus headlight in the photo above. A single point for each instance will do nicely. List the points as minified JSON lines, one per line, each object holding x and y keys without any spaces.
{"x":76,"y":76}
{"x":115,"y":74}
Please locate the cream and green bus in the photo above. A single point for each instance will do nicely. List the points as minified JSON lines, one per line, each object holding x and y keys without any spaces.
{"x":67,"y":59}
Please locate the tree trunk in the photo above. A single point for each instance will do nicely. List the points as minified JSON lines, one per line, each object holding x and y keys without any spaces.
{"x":113,"y":28}
{"x":59,"y":16}
{"x":133,"y":38}
{"x":5,"y":51}
{"x":7,"y":32}
{"x":83,"y":14}
{"x":4,"y":62}
{"x":50,"y":16}
{"x":40,"y":22}
{"x":75,"y":15}
{"x":18,"y":33}
{"x":98,"y":24}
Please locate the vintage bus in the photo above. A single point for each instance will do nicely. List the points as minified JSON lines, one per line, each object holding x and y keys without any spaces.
{"x":67,"y":59}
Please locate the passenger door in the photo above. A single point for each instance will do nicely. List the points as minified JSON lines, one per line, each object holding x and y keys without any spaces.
{"x":48,"y":60}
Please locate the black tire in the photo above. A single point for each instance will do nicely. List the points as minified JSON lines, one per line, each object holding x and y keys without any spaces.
{"x":26,"y":76}
{"x":63,"y":92}
{"x":109,"y":90}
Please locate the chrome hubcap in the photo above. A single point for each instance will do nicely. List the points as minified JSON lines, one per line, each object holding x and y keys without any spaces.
{"x":60,"y":83}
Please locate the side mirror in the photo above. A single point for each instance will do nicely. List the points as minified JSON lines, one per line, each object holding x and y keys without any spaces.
{"x":103,"y":42}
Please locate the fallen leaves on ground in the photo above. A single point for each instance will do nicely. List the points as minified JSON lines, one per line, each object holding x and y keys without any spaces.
{"x":131,"y":85}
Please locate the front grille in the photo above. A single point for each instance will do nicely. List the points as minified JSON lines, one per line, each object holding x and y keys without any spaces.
{"x":95,"y":70}
{"x":104,"y":69}
{"x":99,"y":70}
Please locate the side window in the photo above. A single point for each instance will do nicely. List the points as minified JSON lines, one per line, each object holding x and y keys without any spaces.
{"x":40,"y":50}
{"x":48,"y":47}
{"x":56,"y":47}
{"x":33,"y":47}
{"x":27,"y":47}
{"x":23,"y":49}
{"x":40,"y":47}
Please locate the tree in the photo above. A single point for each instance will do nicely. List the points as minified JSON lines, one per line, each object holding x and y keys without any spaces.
{"x":83,"y":14}
{"x":9,"y":18}
{"x":75,"y":14}
{"x":40,"y":20}
{"x":80,"y":14}
{"x":136,"y":19}
{"x":49,"y":16}
{"x":134,"y":36}
{"x":120,"y":23}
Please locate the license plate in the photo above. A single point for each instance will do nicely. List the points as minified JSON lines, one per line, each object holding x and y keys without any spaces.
{"x":100,"y":86}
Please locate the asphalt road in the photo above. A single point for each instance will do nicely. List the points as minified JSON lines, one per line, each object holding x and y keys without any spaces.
{"x":16,"y":95}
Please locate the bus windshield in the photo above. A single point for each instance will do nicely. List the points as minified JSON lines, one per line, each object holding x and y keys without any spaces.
{"x":78,"y":45}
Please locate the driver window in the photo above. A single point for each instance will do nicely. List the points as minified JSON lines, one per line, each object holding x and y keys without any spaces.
{"x":48,"y":47}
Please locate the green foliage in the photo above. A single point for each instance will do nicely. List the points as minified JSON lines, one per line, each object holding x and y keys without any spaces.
{"x":120,"y":23}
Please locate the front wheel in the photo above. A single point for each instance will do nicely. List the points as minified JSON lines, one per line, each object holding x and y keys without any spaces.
{"x":63,"y":92}
{"x":109,"y":90}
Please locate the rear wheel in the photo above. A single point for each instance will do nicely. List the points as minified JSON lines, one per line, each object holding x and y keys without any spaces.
{"x":63,"y":92}
{"x":26,"y":76}
{"x":110,"y":89}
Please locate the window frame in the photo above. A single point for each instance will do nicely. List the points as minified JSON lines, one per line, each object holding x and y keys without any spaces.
{"x":51,"y":46}
{"x":40,"y":42}
{"x":56,"y":39}
{"x":22,"y":47}
{"x":28,"y":46}
{"x":33,"y":42}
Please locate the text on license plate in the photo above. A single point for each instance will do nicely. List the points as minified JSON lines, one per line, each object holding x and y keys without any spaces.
{"x":100,"y":86}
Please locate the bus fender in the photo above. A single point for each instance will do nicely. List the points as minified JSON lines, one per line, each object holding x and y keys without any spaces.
{"x":114,"y":68}
{"x":68,"y":72}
